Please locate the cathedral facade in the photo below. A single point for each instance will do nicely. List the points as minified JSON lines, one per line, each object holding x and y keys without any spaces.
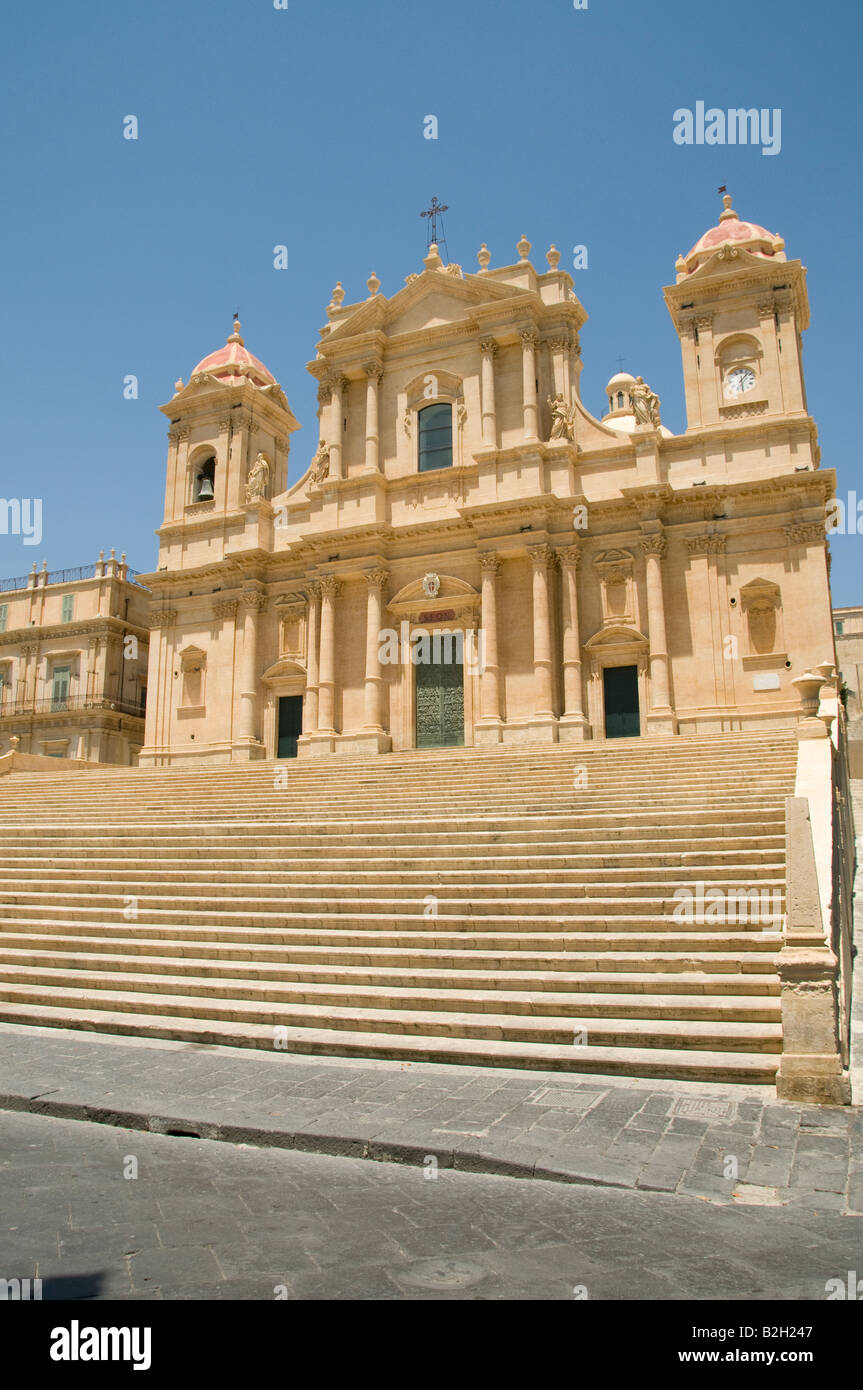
{"x":472,"y":557}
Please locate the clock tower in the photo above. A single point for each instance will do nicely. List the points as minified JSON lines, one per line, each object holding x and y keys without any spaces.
{"x":740,"y":308}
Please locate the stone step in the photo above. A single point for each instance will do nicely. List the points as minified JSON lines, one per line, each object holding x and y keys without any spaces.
{"x":398,"y":882}
{"x":708,"y":1035}
{"x":532,"y":899}
{"x":454,"y":997}
{"x":420,"y":935}
{"x":113,"y":956}
{"x":696,"y":861}
{"x":220,"y":946}
{"x":738,"y":1067}
{"x":585,"y":915}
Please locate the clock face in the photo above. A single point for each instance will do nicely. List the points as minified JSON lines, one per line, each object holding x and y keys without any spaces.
{"x":739,"y":380}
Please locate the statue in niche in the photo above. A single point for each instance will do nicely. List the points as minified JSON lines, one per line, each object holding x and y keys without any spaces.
{"x":320,"y":465}
{"x":258,"y":480}
{"x":563,"y":418}
{"x":645,"y":403}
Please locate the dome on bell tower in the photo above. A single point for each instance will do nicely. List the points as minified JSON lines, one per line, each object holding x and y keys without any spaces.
{"x":234,"y":362}
{"x":731,"y":230}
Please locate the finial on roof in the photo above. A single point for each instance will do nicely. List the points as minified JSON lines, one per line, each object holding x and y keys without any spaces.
{"x":523,"y":248}
{"x":729,"y":212}
{"x":552,"y":255}
{"x":235,"y":336}
{"x":338,"y":295}
{"x":374,"y":284}
{"x":483,"y":255}
{"x":433,"y":261}
{"x":178,"y":385}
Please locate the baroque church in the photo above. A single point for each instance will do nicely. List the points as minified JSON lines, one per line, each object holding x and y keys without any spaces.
{"x":472,"y":557}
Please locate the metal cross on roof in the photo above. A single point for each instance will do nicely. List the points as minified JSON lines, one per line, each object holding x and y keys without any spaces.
{"x":435,"y":211}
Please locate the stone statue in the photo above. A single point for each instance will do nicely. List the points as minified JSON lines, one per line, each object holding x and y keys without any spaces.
{"x":563,"y":418}
{"x":258,"y":480}
{"x":645,"y":404}
{"x":320,"y":465}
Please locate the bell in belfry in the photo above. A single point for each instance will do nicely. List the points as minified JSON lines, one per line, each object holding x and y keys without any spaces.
{"x":205,"y":489}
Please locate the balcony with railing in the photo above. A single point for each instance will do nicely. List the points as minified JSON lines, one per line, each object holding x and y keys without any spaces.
{"x":12,"y":708}
{"x":102,"y":569}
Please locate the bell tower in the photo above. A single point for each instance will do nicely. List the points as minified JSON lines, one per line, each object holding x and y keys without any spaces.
{"x":740,"y":308}
{"x":230,"y":428}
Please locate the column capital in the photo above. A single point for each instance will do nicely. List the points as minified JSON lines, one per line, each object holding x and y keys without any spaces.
{"x":542,"y":556}
{"x":313,"y":590}
{"x":226,"y":608}
{"x":377,"y":579}
{"x":706,"y":544}
{"x":803,"y":532}
{"x":569,"y":556}
{"x":529,"y":337}
{"x":489,"y":562}
{"x":331,"y":587}
{"x":373,"y":370}
{"x":488,"y":345}
{"x":165,"y":617}
{"x":653,"y":544}
{"x":252,"y":598}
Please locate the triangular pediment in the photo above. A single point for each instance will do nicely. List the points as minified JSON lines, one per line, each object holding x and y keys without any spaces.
{"x":616,"y":635}
{"x":429,"y":300}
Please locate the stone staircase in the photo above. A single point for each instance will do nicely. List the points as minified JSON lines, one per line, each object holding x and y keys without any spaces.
{"x":506,"y":907}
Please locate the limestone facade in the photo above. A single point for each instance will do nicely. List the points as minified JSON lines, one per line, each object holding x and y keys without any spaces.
{"x":73,"y":662}
{"x":589,"y":577}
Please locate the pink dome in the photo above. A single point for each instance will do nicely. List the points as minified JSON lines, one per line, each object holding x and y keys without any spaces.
{"x":234,"y":361}
{"x":730,"y":229}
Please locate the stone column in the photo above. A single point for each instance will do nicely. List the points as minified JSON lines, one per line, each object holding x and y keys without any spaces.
{"x":310,"y":709}
{"x":542,"y":558}
{"x":330,"y":589}
{"x":557,"y":347}
{"x":573,"y":723}
{"x":254,"y":602}
{"x":488,"y":348}
{"x":376,"y":580}
{"x":374,"y":371}
{"x":529,"y":341}
{"x":660,"y":718}
{"x":490,"y":681}
{"x":339,"y":385}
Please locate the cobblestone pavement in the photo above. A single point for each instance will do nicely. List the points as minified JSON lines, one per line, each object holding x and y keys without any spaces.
{"x":214,"y":1220}
{"x":728,"y":1145}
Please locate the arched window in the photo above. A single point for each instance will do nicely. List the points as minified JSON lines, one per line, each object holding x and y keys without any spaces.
{"x":435,"y":437}
{"x":620,"y":400}
{"x":204,"y":480}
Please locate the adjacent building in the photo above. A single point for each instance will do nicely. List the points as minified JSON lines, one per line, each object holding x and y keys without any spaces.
{"x":73,"y":662}
{"x":471,"y":556}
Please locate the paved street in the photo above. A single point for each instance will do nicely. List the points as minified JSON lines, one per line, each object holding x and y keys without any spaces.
{"x":213,"y":1220}
{"x":725,"y":1144}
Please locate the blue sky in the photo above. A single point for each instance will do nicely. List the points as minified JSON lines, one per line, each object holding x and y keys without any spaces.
{"x":304,"y":127}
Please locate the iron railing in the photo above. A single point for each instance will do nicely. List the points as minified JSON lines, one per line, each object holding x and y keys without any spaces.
{"x":41,"y":578}
{"x":71,"y":704}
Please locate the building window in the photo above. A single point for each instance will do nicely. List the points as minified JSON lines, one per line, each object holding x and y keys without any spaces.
{"x":60,"y":687}
{"x":840,"y":627}
{"x":435,"y":437}
{"x":67,"y":611}
{"x":203,"y":489}
{"x":4,"y":614}
{"x":620,"y":400}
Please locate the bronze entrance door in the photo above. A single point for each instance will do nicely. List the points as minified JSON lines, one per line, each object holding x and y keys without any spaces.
{"x":440,"y":704}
